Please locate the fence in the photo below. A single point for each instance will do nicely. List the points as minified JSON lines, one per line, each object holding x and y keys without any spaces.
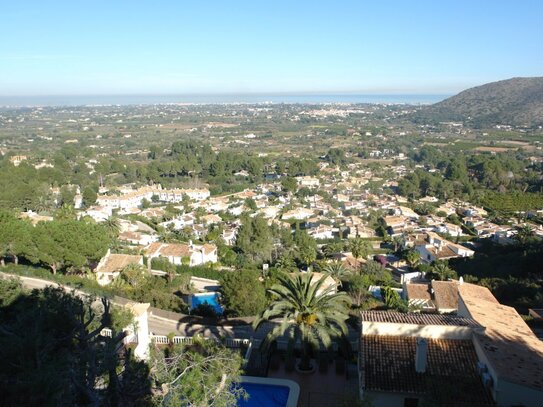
{"x":188,"y":340}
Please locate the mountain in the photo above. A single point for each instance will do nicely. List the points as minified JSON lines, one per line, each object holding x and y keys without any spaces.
{"x":516,"y":101}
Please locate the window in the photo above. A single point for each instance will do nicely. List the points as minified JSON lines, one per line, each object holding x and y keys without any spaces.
{"x":410,"y":402}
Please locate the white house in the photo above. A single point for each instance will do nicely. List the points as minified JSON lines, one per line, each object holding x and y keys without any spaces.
{"x":177,"y":252}
{"x":111,"y":265}
{"x":433,"y":247}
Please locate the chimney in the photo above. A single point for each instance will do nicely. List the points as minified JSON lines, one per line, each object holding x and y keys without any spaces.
{"x":421,"y":355}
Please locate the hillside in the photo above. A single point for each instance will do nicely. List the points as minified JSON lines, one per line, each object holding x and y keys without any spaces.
{"x":517,"y":101}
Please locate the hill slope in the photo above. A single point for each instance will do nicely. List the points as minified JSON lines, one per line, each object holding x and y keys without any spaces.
{"x":517,"y":101}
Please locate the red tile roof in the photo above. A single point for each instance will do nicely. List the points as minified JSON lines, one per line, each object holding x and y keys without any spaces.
{"x":417,"y":319}
{"x":387,"y":364}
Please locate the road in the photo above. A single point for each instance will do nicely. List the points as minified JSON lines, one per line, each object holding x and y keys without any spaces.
{"x":158,"y":325}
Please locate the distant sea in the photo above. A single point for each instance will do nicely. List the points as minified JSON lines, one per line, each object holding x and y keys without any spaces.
{"x":93,"y":100}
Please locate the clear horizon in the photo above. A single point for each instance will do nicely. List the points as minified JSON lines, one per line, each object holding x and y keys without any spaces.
{"x":209,"y":99}
{"x":280,"y":48}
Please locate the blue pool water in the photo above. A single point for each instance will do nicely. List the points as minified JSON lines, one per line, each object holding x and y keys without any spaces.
{"x":264,"y":395}
{"x":211,"y":299}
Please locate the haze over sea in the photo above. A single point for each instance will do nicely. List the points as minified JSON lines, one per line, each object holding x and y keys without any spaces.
{"x":79,"y":100}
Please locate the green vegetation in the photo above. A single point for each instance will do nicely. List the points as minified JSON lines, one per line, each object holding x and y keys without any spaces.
{"x":205,"y":374}
{"x":53,"y":353}
{"x":513,"y":273}
{"x":242,"y":293}
{"x":306,"y":315}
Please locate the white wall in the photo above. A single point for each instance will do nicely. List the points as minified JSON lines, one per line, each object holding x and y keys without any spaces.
{"x":425,"y":331}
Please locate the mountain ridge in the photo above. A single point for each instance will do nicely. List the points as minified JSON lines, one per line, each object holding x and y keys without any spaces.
{"x":517,"y":101}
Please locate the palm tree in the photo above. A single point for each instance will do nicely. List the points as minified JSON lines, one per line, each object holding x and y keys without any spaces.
{"x":442,"y":270}
{"x":412,"y":257}
{"x":336,"y":270}
{"x":305,"y":315}
{"x":113,"y":226}
{"x":359,"y":248}
{"x":398,"y":242}
{"x":524,"y":234}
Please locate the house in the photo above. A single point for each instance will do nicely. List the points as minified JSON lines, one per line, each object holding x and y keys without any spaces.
{"x":176,"y":253}
{"x":229,"y":236}
{"x":34,"y":218}
{"x":322,"y":232}
{"x":307,"y":181}
{"x":298,"y":214}
{"x":449,"y":229}
{"x":432,"y":247}
{"x":394,"y":223}
{"x":111,"y":265}
{"x":153,"y":213}
{"x":510,"y":354}
{"x":435,"y":296}
{"x":211,"y":219}
{"x":137,"y":238}
{"x":16,"y":160}
{"x":408,"y":359}
{"x":99,"y":213}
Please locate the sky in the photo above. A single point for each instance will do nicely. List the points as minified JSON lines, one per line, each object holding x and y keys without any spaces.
{"x":219,"y":47}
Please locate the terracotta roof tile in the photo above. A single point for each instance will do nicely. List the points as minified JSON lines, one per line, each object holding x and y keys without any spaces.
{"x":417,"y":319}
{"x":388,"y":365}
{"x":445,"y":294}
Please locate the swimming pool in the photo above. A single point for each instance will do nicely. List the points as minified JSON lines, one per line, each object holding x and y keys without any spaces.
{"x":266,"y":392}
{"x":206,"y":298}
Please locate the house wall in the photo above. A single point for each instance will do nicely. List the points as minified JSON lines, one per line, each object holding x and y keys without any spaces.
{"x":511,"y":394}
{"x":425,"y":331}
{"x":506,"y":393}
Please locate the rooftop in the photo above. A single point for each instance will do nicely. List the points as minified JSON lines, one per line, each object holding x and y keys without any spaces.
{"x":513,"y":350}
{"x":451,"y":378}
{"x":417,"y":319}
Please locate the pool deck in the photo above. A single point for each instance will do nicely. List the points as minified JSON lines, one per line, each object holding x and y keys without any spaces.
{"x":319,"y":389}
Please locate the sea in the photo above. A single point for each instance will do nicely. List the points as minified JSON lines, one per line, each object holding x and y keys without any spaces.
{"x":112,"y":100}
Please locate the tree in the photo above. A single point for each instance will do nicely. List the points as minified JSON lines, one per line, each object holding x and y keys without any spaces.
{"x":412,"y":257}
{"x":360,"y":248}
{"x":304,"y":315}
{"x":112,"y":226}
{"x":440,"y":270}
{"x":398,"y":242}
{"x":376,"y":272}
{"x":358,"y":288}
{"x":132,"y":277}
{"x":89,"y":196}
{"x":306,"y":247}
{"x":53,"y":354}
{"x":393,"y":300}
{"x":254,"y":239}
{"x":336,"y":270}
{"x":204,"y":375}
{"x":242,"y":293}
{"x":289,"y":184}
{"x":66,"y":212}
{"x":69,"y":243}
{"x":524,"y":234}
{"x":15,"y":237}
{"x":250,"y":204}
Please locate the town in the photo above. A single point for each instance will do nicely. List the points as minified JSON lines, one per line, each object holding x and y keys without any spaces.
{"x":416,"y":255}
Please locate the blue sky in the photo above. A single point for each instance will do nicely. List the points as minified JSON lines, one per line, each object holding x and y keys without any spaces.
{"x":212,"y":47}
